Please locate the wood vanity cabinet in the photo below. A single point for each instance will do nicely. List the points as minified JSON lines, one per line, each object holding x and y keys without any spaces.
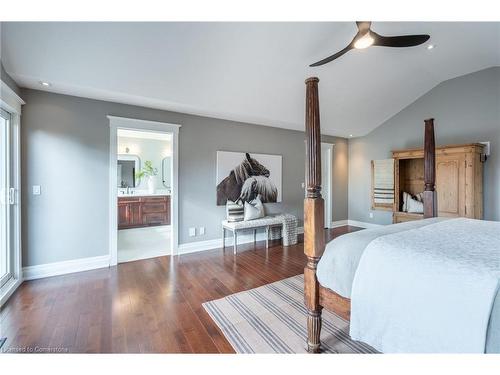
{"x":143,"y":211}
{"x":129,"y":212}
{"x":459,"y":180}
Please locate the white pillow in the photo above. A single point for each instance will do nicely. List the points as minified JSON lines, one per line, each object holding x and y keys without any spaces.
{"x":254,"y":209}
{"x":420,"y":197}
{"x":412,"y":205}
{"x":406,"y":197}
{"x":415,"y":206}
{"x":234,"y":211}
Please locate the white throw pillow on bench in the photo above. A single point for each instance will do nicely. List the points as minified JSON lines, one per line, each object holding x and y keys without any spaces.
{"x":254,"y":209}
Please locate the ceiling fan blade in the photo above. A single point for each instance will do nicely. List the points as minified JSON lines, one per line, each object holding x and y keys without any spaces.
{"x":333,"y":57}
{"x":399,"y":41}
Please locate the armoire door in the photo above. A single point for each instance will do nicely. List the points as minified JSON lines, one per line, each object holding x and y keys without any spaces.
{"x":450,"y":185}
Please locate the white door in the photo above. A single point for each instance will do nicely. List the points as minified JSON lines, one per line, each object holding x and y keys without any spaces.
{"x":5,"y":248}
{"x":326,"y":180}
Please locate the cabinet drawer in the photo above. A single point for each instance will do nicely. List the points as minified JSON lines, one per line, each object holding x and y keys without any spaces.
{"x":154,"y":218}
{"x":154,"y":199}
{"x":125,"y":200}
{"x":148,"y":208}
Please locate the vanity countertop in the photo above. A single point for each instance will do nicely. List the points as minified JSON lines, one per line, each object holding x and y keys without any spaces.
{"x":143,"y":194}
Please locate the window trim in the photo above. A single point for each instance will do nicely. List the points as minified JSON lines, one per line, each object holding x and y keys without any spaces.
{"x":8,"y":118}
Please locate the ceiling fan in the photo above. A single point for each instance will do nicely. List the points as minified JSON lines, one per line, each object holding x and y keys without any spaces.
{"x":365,"y":37}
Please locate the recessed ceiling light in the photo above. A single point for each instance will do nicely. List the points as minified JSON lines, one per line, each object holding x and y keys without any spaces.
{"x":430,"y":46}
{"x":45,"y":84}
{"x":350,"y":135}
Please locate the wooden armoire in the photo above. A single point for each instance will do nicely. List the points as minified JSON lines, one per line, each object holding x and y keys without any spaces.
{"x":459,"y":180}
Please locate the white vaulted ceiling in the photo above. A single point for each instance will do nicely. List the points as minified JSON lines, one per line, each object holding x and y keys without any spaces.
{"x":250,"y":72}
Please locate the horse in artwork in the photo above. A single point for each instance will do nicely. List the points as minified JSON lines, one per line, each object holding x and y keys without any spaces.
{"x":259,"y":185}
{"x":230,"y":187}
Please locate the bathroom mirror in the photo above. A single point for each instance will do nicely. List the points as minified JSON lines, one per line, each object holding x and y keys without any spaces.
{"x":166,"y":172}
{"x":128,"y":166}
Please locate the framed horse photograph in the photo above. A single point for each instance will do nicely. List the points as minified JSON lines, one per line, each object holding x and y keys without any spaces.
{"x":242,"y":176}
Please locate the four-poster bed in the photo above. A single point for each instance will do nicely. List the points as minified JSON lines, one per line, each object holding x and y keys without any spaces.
{"x":330,"y":277}
{"x":316,"y":297}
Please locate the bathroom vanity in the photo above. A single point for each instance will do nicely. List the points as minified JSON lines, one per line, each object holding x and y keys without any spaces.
{"x":135,"y":211}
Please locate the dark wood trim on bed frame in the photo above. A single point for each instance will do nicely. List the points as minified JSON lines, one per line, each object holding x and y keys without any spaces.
{"x":317,"y":297}
{"x":314,"y":240}
{"x":430,"y":208}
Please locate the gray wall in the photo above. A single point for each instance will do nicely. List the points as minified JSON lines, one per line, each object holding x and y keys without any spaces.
{"x":7,"y":79}
{"x":466,"y":109}
{"x":65,"y":143}
{"x":4,"y":76}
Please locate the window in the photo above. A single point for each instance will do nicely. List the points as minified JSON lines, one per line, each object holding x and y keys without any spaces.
{"x":10,"y":180}
{"x":5,"y":256}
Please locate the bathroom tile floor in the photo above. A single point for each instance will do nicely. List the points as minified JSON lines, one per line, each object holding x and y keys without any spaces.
{"x":143,"y":243}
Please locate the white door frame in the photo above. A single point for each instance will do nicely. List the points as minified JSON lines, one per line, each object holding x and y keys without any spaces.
{"x":12,"y":103}
{"x":116,"y":123}
{"x":327,"y":190}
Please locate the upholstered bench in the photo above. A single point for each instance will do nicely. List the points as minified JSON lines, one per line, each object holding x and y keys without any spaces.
{"x":267,"y":222}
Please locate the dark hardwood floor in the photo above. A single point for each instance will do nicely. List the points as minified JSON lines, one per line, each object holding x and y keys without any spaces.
{"x":151,"y":306}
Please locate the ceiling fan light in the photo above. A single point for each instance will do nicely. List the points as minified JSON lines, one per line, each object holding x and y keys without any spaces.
{"x":364,"y":42}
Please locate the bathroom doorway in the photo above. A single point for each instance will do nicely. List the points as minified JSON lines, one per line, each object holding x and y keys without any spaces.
{"x":143,"y":189}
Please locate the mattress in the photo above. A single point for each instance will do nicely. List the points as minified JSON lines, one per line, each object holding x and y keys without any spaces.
{"x":338,"y":265}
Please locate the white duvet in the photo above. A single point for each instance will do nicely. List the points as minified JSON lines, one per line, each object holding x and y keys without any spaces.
{"x":429,"y":289}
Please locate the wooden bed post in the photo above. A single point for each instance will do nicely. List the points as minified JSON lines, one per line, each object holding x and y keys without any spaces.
{"x":429,"y":170}
{"x":314,"y":240}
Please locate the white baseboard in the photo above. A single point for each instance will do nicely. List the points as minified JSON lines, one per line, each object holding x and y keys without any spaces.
{"x":86,"y":264}
{"x":339,"y":223}
{"x":192,"y":247}
{"x":354,"y":223}
{"x":362,"y":224}
{"x":62,"y":268}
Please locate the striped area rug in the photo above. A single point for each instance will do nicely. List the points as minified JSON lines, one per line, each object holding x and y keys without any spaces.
{"x":272,"y":319}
